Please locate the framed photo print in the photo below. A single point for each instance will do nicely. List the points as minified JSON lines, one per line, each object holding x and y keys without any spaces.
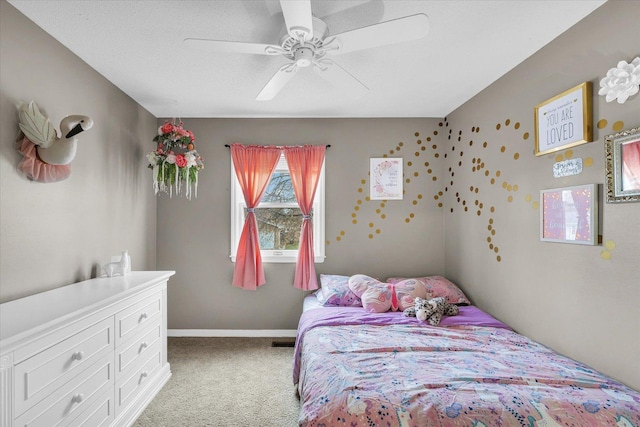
{"x":622,"y":166}
{"x":564,"y":121}
{"x":569,"y":215}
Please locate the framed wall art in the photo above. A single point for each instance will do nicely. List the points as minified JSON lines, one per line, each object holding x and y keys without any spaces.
{"x":564,"y":121}
{"x":569,"y":215}
{"x":385,"y":179}
{"x":622,"y":166}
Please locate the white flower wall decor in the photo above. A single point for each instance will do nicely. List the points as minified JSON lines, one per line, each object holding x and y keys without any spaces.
{"x":621,"y":82}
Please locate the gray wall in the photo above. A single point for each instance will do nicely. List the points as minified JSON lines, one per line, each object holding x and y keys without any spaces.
{"x":407,"y":235}
{"x":570,"y":297}
{"x":59,"y":233}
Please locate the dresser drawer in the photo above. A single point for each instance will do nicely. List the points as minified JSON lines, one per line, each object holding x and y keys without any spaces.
{"x":130,"y":385}
{"x":137,"y":316}
{"x":138,"y":348}
{"x":99,"y":414}
{"x":73,"y":398}
{"x":45,"y":372}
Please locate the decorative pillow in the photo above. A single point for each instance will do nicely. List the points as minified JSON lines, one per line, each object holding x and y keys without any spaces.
{"x":438,"y":286}
{"x":378,"y":297}
{"x":334,"y":290}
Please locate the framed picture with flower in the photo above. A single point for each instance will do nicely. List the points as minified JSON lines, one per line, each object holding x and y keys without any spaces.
{"x":385,"y":176}
{"x":564,"y":121}
{"x":622,"y":166}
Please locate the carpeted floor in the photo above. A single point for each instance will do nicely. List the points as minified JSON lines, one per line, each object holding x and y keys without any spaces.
{"x":222,"y":382}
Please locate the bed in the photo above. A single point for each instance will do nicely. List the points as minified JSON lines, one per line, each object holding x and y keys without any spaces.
{"x":357,"y":368}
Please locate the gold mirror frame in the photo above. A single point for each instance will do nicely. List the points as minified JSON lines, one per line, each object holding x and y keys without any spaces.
{"x":614,"y":163}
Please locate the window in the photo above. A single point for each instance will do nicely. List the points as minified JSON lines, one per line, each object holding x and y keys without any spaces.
{"x":279,"y":218}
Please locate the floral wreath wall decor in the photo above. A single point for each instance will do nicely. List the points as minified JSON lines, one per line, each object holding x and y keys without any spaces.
{"x":175,"y":162}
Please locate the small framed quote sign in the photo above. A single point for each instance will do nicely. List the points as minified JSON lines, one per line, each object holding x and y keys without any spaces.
{"x":564,"y":121}
{"x":385,"y":176}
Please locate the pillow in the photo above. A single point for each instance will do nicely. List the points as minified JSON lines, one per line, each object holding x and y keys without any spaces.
{"x":378,"y":297}
{"x":334,"y":291}
{"x":439,"y":286}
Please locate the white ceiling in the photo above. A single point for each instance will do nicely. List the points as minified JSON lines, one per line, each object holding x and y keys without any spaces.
{"x":138,"y":46}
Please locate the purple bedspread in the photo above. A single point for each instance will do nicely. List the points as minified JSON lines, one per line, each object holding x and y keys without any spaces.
{"x":334,"y":316}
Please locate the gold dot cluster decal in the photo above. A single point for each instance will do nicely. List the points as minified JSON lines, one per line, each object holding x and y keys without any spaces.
{"x":419,"y":148}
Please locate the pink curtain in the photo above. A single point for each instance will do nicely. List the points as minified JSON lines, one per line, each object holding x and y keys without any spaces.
{"x":254,"y":166}
{"x":305,"y":165}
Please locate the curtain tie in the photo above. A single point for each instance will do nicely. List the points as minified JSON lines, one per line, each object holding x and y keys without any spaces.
{"x":251,"y":210}
{"x":306,"y":217}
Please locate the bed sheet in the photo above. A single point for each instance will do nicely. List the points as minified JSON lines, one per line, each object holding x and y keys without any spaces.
{"x":354,"y":371}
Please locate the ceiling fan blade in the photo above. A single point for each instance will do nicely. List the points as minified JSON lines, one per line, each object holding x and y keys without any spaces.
{"x":233,"y":47}
{"x":385,"y":33}
{"x":340,"y":78}
{"x":298,"y":18}
{"x":277,"y":82}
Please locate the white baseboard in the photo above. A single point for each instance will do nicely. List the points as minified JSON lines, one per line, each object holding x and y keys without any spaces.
{"x":244,"y":333}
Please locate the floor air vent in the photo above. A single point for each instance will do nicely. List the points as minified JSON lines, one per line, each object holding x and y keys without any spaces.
{"x":283,"y":343}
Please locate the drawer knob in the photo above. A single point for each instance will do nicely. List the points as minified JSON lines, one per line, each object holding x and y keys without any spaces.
{"x":143,"y":316}
{"x":77,"y":398}
{"x":78,"y":355}
{"x":143,"y":346}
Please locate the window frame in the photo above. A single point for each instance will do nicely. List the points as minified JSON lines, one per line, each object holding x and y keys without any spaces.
{"x":238,"y":206}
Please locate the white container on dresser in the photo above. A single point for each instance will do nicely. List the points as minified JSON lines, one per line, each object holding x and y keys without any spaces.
{"x":93,"y":353}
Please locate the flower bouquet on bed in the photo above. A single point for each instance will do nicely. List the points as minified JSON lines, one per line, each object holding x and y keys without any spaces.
{"x":175,"y":161}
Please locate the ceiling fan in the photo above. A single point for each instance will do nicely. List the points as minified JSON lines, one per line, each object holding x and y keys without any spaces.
{"x":306,"y":43}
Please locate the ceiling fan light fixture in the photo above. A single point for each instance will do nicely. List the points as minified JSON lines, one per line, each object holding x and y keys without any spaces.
{"x":303,"y":56}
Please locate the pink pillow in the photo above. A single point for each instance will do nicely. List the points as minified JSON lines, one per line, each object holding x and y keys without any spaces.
{"x":378,"y":297}
{"x":438,"y":286}
{"x":334,"y":291}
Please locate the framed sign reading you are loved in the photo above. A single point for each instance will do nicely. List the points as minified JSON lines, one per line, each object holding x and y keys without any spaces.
{"x":564,"y":121}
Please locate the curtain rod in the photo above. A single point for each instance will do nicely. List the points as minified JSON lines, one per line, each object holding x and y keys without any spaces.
{"x":277,"y":146}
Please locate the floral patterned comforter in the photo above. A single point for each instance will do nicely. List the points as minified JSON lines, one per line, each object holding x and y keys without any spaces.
{"x":397,"y":372}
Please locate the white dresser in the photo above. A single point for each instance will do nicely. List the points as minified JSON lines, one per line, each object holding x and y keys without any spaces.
{"x":92,"y":354}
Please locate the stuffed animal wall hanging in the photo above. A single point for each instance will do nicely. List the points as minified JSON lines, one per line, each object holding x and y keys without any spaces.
{"x":432,"y":310}
{"x":46,"y":156}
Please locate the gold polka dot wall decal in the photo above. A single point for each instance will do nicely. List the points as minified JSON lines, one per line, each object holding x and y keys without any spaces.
{"x":363,"y":181}
{"x":417,"y":153}
{"x":409,"y":163}
{"x":498,"y":173}
{"x":370,"y":225}
{"x":588,"y":162}
{"x":385,"y":156}
{"x":338,"y":239}
{"x":377,"y":211}
{"x":617,"y":126}
{"x":559,"y":158}
{"x":408,"y":180}
{"x":435,"y":132}
{"x":492,"y":209}
{"x":353,"y":215}
{"x":419,"y":196}
{"x":407,"y":220}
{"x":400,"y":143}
{"x":493,"y":180}
{"x":504,"y":184}
{"x":397,"y":148}
{"x":491,"y":246}
{"x":517,"y":125}
{"x":484,"y":145}
{"x":527,"y":197}
{"x":378,"y":231}
{"x":602,"y":123}
{"x":525,"y":135}
{"x":498,"y":258}
{"x":509,"y":187}
{"x":417,"y":134}
{"x":435,"y":178}
{"x":367,"y":199}
{"x":342,"y":232}
{"x":515,"y":187}
{"x":423,"y":148}
{"x":382,"y":205}
{"x":502,"y":149}
{"x":498,"y":126}
{"x":510,"y":199}
{"x":516,"y":156}
{"x":360,"y":190}
{"x":606,"y":255}
{"x":507,"y":122}
{"x":391,"y":152}
{"x":568,"y":154}
{"x":355,"y":221}
{"x":357,"y":208}
{"x":383,"y":216}
{"x":535,"y":205}
{"x":610,"y":245}
{"x":371,"y":236}
{"x":415,"y":202}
